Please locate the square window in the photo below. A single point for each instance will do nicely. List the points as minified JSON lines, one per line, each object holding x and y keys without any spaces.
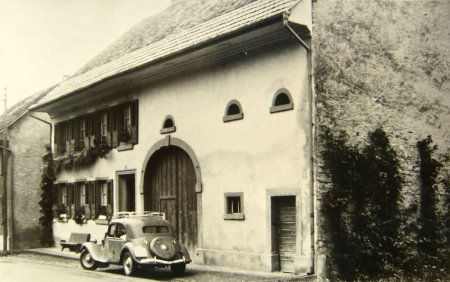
{"x":233,"y":205}
{"x":234,"y":208}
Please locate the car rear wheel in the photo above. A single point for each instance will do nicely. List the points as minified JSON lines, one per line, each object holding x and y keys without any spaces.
{"x":87,"y":261}
{"x":178,"y":269}
{"x":129,"y":265}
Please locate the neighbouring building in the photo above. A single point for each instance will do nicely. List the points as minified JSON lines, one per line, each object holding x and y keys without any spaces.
{"x":28,"y":134}
{"x":206,"y":117}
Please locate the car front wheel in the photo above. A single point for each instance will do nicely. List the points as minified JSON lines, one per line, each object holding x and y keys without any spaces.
{"x":129,"y":265}
{"x":178,"y":269}
{"x":87,"y":261}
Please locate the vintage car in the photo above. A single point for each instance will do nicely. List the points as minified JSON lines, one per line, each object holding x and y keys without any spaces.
{"x":137,"y":239}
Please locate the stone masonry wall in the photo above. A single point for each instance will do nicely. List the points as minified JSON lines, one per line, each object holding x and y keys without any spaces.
{"x":370,"y":72}
{"x":28,"y":138}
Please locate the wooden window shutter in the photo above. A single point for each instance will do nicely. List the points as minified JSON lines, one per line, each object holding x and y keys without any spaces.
{"x":76,"y":195}
{"x":98,"y":193}
{"x":95,"y":202}
{"x":110,"y":192}
{"x":108,"y":127}
{"x":90,"y":129}
{"x":134,"y":121}
{"x":56,"y":195}
{"x":57,"y":137}
{"x":68,"y":135}
{"x":56,"y":199}
{"x":114,"y":126}
{"x":69,"y":193}
{"x":97,"y":125}
{"x":110,"y":206}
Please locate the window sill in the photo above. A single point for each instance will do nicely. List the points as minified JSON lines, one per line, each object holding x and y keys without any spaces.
{"x":233,"y":117}
{"x":125,"y":147}
{"x":281,"y":108}
{"x":167,"y":130}
{"x":101,"y":221}
{"x":234,"y":216}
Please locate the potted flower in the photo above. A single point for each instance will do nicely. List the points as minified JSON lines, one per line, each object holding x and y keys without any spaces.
{"x":124,"y":135}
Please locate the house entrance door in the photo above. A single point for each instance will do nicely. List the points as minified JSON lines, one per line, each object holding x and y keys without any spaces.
{"x":126,"y":192}
{"x":284,"y":231}
{"x":169,"y":187}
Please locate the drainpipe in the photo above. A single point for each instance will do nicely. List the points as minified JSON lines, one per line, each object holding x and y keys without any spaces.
{"x":312,"y":132}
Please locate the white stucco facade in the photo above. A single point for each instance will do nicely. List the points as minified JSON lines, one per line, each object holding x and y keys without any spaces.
{"x":264,"y":154}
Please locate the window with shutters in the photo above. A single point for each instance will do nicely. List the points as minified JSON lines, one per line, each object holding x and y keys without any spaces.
{"x":109,"y":127}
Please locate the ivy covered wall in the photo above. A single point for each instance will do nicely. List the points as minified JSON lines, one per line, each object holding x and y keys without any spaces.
{"x":382,"y":138}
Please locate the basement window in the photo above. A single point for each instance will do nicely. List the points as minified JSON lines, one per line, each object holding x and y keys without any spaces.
{"x":282,"y":101}
{"x":234,"y":209}
{"x":168,"y":125}
{"x":233,"y":111}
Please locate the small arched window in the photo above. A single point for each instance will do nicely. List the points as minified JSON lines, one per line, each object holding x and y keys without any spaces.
{"x":233,"y":111}
{"x":168,"y":125}
{"x":282,"y":101}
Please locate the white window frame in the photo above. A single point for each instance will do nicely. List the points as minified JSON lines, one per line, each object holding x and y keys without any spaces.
{"x":104,"y":123}
{"x":64,"y":195}
{"x":83,"y":195}
{"x":104,"y":194}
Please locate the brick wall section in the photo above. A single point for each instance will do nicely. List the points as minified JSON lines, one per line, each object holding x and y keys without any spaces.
{"x":28,"y":137}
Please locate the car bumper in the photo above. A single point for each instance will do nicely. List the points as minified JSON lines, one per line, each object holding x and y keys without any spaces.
{"x":155,"y":261}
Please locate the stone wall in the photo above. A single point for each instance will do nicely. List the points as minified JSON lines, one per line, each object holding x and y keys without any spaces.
{"x":28,"y":138}
{"x":370,"y":72}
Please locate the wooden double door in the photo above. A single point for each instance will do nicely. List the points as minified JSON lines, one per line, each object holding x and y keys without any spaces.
{"x":169,"y":187}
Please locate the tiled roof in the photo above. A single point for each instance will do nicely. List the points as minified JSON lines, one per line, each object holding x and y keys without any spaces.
{"x":20,"y":108}
{"x":215,"y":28}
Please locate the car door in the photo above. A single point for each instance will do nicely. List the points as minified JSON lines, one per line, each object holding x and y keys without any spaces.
{"x":109,"y":241}
{"x":116,"y":242}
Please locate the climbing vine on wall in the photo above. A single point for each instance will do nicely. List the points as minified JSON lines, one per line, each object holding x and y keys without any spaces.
{"x":371,"y":235}
{"x":361,"y":209}
{"x":46,"y":202}
{"x":433,"y":247}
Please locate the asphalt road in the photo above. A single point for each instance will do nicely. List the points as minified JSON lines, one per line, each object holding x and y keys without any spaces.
{"x":37,"y":268}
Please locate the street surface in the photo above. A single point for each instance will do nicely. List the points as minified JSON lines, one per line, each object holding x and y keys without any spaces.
{"x":42,"y":268}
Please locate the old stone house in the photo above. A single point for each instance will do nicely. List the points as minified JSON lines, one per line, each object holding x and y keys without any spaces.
{"x":205,"y":116}
{"x":28,"y":134}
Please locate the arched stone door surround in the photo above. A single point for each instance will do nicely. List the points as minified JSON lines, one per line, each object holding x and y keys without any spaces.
{"x":165,"y":143}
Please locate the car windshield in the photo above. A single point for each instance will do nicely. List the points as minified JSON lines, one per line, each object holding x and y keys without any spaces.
{"x":155,"y":229}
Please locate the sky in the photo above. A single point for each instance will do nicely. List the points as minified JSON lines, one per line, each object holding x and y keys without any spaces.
{"x":41,"y":41}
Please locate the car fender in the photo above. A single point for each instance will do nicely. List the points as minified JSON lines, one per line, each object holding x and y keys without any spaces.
{"x":97,"y":252}
{"x":185,"y":253}
{"x":134,"y":250}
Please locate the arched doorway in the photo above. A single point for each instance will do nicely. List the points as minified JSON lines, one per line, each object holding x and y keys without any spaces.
{"x":170,"y":187}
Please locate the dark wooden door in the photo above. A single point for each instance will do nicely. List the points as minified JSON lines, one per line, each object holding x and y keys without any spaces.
{"x":284,"y":230}
{"x":170,"y":188}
